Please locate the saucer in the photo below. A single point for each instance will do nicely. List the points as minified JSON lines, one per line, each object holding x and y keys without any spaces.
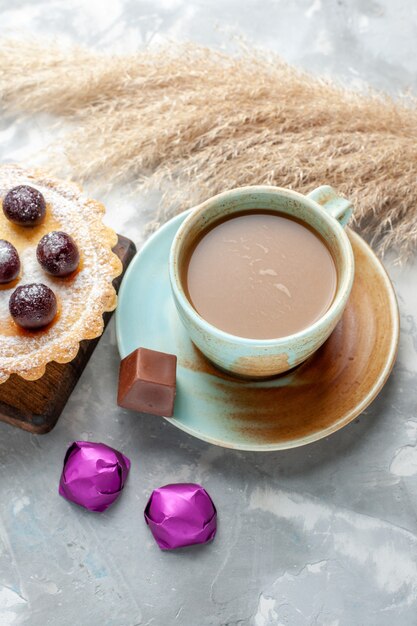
{"x":312,"y":401}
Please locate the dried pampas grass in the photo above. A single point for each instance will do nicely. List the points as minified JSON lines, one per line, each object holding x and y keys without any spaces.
{"x":194,"y":122}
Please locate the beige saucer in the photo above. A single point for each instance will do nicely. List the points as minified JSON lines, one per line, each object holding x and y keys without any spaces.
{"x":312,"y":401}
{"x":338,"y":382}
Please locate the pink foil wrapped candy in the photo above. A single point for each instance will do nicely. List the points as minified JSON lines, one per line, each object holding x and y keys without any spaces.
{"x":181,"y":515}
{"x":93,"y":475}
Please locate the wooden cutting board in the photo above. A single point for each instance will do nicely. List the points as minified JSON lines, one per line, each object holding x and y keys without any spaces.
{"x":36,"y":405}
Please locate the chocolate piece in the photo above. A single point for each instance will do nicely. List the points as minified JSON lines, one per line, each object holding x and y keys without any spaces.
{"x":179,"y":515}
{"x":93,"y":475}
{"x":147,"y":382}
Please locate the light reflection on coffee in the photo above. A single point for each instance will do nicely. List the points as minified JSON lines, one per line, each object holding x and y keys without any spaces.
{"x":260,"y":275}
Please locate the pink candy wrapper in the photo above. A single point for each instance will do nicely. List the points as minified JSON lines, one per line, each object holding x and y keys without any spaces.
{"x":93,"y":475}
{"x":181,"y":515}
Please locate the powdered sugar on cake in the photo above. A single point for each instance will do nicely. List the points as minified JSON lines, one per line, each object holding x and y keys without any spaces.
{"x":82,"y":299}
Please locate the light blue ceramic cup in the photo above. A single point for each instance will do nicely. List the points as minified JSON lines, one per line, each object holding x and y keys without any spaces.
{"x":327,"y":213}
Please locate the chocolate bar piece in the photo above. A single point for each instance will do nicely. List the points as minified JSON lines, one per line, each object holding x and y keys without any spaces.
{"x":147,"y":380}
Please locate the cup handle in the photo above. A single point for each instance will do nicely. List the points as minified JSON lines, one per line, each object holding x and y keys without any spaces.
{"x":338,"y":207}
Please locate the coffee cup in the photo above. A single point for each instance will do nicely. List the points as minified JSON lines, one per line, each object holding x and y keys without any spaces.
{"x":322,"y":211}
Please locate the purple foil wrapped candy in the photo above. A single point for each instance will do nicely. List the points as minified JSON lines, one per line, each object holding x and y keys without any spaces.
{"x":181,"y":515}
{"x":93,"y":475}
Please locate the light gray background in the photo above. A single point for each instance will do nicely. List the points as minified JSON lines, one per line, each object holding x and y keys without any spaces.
{"x":324,"y":535}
